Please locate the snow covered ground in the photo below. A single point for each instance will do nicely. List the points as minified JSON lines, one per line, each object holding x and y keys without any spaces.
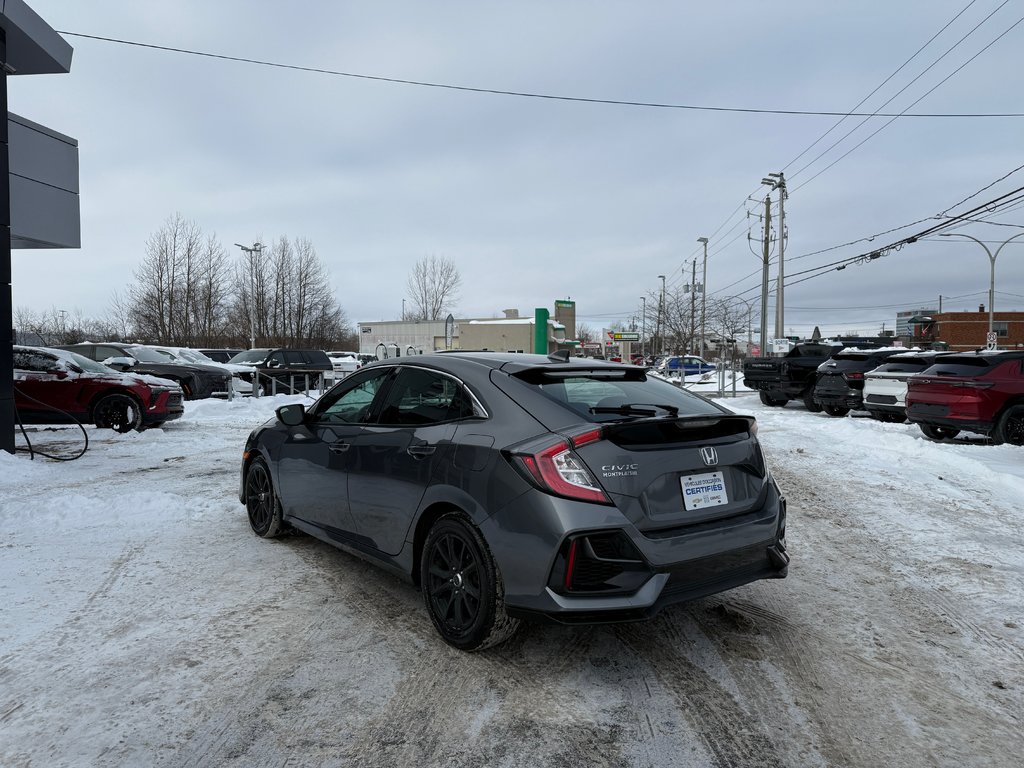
{"x":143,"y":624}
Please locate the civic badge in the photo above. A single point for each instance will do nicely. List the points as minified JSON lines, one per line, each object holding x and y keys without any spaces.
{"x":710,"y":455}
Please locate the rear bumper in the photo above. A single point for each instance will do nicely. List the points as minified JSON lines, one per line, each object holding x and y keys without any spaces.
{"x":676,"y":566}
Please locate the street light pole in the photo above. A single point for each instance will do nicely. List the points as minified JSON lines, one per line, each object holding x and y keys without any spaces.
{"x":992,"y":273}
{"x":256,"y":248}
{"x":703,"y":295}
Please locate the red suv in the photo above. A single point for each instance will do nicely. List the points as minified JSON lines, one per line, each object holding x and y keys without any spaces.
{"x":975,"y":391}
{"x":54,"y":386}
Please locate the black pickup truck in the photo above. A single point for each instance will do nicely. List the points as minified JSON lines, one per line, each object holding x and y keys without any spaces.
{"x":781,"y":379}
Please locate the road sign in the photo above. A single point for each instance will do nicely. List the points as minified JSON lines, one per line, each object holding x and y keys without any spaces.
{"x":990,"y":340}
{"x":626,"y":336}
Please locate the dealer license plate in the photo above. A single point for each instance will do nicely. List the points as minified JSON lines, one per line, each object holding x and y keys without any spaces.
{"x":706,"y":490}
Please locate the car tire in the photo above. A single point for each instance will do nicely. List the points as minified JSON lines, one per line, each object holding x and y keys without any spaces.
{"x":119,"y":412}
{"x":836,"y":411}
{"x":1010,"y":427}
{"x":261,"y":502}
{"x":934,"y":432}
{"x":809,"y":402}
{"x":771,"y":401}
{"x":462,"y":587}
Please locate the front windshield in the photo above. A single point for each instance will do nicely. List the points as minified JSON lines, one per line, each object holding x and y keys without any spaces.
{"x":90,"y":366}
{"x":250,"y":356}
{"x":147,"y":355}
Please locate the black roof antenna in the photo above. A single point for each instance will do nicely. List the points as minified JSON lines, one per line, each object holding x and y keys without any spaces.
{"x":561,"y":356}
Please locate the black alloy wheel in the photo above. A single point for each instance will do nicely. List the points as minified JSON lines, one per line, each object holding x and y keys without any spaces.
{"x":261,"y":502}
{"x":935,"y":432}
{"x":121,"y":413}
{"x":461,"y":586}
{"x":835,"y":410}
{"x":772,"y":401}
{"x":1010,"y":427}
{"x":809,"y":402}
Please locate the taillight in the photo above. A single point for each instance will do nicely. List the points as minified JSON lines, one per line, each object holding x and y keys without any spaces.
{"x":559,"y":470}
{"x":972,"y":384}
{"x":855,"y":375}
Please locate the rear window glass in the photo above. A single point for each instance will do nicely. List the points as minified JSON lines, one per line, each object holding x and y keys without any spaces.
{"x":588,"y":392}
{"x":962,"y":366}
{"x":903,"y":366}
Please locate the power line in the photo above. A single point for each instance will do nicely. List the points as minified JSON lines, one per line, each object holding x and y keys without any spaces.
{"x":532,"y":95}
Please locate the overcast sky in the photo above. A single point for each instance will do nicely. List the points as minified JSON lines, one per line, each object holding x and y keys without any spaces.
{"x":540,"y":199}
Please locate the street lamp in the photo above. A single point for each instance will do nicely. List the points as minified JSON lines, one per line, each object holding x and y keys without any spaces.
{"x":256,"y":248}
{"x":992,"y":262}
{"x":703,"y":294}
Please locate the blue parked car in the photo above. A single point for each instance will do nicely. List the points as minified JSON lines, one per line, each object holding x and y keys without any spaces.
{"x":688,"y":365}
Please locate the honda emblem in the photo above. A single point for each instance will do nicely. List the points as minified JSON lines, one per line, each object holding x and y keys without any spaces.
{"x":710,"y":455}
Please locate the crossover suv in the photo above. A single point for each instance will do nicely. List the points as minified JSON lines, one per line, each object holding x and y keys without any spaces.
{"x":976,"y":391}
{"x":278,"y":371}
{"x":840,"y":384}
{"x":511,"y":486}
{"x":885,"y":388}
{"x":54,"y":386}
{"x":196,"y":381}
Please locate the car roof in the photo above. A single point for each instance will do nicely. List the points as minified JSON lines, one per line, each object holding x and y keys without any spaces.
{"x":510,"y":362}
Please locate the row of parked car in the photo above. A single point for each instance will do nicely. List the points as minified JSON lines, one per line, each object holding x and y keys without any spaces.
{"x":944,"y":393}
{"x":134,"y":386}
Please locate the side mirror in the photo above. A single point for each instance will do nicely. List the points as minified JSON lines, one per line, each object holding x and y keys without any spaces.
{"x":273,"y":364}
{"x":120,"y":363}
{"x":291,"y":415}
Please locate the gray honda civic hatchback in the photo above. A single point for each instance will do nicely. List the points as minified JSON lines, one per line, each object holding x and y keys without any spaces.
{"x":512,"y":486}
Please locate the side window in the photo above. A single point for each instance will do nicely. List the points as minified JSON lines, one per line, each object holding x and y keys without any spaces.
{"x":293,"y":358}
{"x":276,"y":358}
{"x":104,"y":353}
{"x":352,"y":404}
{"x":419,"y":397}
{"x":37,"y":362}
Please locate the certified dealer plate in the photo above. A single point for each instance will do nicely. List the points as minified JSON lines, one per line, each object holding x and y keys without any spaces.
{"x":706,"y":490}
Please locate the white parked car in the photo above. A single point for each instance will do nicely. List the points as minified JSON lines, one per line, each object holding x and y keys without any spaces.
{"x":885,"y":387}
{"x":187,"y":355}
{"x":344,"y":363}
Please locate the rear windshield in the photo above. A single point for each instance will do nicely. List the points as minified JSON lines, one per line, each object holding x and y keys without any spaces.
{"x":962,"y":366}
{"x":903,"y":366}
{"x":588,"y":393}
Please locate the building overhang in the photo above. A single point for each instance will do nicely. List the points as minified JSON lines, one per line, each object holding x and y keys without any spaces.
{"x":33,"y":46}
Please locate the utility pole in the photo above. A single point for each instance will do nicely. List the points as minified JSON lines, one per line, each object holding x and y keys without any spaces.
{"x":764,"y":275}
{"x":693,"y":304}
{"x":661,"y":310}
{"x":780,"y":304}
{"x":703,"y":296}
{"x":643,"y":327}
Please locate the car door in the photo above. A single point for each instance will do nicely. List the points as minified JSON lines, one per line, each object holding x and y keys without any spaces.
{"x":314,"y":461}
{"x":393,"y":460}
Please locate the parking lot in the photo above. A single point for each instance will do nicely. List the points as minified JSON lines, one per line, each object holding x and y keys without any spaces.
{"x":146,"y":625}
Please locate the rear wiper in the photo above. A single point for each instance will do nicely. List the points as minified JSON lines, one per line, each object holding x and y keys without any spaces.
{"x":636,"y":409}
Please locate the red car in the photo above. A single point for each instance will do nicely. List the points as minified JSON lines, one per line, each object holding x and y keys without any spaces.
{"x":54,"y":386}
{"x":975,"y":391}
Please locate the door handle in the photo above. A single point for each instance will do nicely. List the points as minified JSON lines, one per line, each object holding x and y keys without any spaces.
{"x":420,"y":451}
{"x":338,"y":447}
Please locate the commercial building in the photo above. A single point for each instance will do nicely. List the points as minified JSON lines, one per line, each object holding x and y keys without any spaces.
{"x":969,"y":330}
{"x":510,"y":333}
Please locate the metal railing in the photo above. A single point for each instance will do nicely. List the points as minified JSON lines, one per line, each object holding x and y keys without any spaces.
{"x":285,"y":381}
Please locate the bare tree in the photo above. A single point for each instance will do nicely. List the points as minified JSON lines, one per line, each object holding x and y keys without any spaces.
{"x":433,"y":287}
{"x":584,"y":333}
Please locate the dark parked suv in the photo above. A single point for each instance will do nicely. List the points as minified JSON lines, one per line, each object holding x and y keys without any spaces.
{"x":840,"y":385}
{"x":54,"y":386}
{"x":285,"y":370}
{"x":196,"y":381}
{"x":976,"y":391}
{"x":513,"y":486}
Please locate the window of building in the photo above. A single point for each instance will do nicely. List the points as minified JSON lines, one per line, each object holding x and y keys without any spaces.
{"x":1001,"y":327}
